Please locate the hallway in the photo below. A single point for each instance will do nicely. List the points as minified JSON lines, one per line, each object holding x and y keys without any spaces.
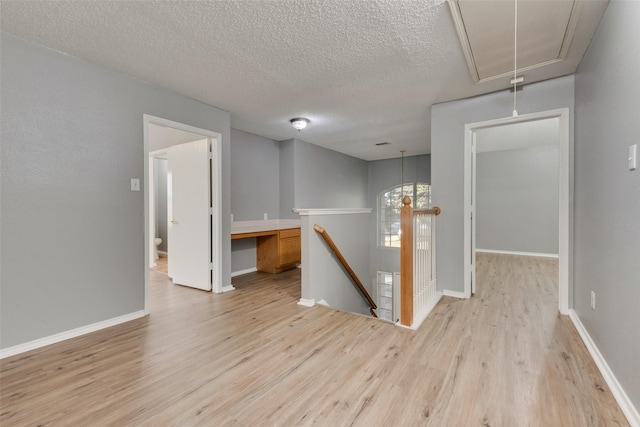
{"x":253,"y":357}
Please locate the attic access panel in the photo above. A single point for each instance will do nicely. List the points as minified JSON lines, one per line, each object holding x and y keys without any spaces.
{"x":486,"y":32}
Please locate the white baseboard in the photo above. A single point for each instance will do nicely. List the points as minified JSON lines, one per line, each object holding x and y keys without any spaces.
{"x":616,"y":389}
{"x":73,"y":333}
{"x":420,"y":317}
{"x":228,"y":288}
{"x":245,"y":271}
{"x":307,"y":302}
{"x":455,"y":294}
{"x":544,"y":255}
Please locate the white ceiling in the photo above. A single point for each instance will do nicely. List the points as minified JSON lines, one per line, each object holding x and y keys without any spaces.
{"x":363,"y":72}
{"x":162,"y":137}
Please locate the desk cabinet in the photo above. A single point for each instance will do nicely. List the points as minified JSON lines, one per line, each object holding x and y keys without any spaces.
{"x":279,"y":251}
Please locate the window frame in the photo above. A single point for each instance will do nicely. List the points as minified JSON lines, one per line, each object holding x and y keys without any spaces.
{"x":381,"y":228}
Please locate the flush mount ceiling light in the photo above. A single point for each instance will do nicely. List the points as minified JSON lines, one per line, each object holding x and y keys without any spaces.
{"x":299,"y":123}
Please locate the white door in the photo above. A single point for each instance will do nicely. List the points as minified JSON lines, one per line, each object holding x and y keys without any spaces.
{"x":189,"y":228}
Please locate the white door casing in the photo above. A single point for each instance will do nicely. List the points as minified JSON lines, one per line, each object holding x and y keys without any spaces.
{"x":565,"y":166}
{"x":216,"y":199}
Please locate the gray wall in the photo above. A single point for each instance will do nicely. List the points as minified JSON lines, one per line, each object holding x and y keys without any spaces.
{"x":447,"y":160}
{"x":255,"y":176}
{"x":160,"y":199}
{"x":607,"y":194}
{"x":276,"y":177}
{"x":287,"y":180}
{"x":323,"y":277}
{"x":517,"y":200}
{"x":255,"y":189}
{"x":383,"y":175}
{"x":72,"y":231}
{"x":327,"y":179}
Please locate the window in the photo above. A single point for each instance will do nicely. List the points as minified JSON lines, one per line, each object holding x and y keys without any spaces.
{"x":389,"y":204}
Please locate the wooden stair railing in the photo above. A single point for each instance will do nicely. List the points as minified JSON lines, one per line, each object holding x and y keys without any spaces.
{"x":406,"y":257}
{"x":347,"y":267}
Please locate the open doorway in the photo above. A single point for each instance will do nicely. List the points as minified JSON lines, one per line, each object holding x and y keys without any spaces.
{"x":159,"y":197}
{"x":166,"y":140}
{"x":557,"y":122}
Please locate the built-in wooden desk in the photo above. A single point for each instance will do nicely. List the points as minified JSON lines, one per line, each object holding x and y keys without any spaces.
{"x":277,"y":242}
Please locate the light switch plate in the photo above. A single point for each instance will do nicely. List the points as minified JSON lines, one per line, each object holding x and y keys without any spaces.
{"x":135,"y":184}
{"x":633,"y":155}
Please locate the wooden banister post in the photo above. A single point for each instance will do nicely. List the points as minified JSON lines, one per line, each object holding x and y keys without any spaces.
{"x":406,"y":263}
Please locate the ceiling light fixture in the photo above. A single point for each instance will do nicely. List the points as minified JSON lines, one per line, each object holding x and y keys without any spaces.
{"x":515,"y":58}
{"x":299,"y":123}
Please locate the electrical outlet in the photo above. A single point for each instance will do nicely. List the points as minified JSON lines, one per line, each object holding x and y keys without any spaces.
{"x":593,"y":300}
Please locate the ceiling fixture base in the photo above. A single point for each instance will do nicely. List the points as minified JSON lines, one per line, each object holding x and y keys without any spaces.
{"x":299,"y":123}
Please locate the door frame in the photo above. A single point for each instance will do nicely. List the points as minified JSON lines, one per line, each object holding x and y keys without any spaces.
{"x":565,"y":195}
{"x":216,"y":200}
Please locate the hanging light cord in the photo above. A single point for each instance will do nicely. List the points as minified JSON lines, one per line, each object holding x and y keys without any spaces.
{"x":515,"y":58}
{"x":402,"y":177}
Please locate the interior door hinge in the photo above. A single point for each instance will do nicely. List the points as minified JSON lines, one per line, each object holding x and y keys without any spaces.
{"x":210,"y":155}
{"x":210,"y":211}
{"x":211,"y":266}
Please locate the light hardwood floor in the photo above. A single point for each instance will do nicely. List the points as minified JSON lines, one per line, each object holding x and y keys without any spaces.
{"x":162,"y":264}
{"x":253,"y":357}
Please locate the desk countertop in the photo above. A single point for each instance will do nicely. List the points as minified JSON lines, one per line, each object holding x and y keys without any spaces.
{"x":238,"y":227}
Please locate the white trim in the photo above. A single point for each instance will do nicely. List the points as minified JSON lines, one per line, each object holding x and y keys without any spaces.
{"x":228,"y":288}
{"x":336,"y":211}
{"x":538,"y":254}
{"x":245,"y":271}
{"x":216,"y":216}
{"x":307,"y":302}
{"x":455,"y":294}
{"x":565,"y":193}
{"x":420,"y":317}
{"x":150,"y":216}
{"x":216,"y":182}
{"x":461,"y":30}
{"x":616,"y":389}
{"x":73,"y":333}
{"x":456,"y":14}
{"x":160,"y":154}
{"x":238,"y":227}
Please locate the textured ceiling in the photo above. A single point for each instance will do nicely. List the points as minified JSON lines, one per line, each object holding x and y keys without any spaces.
{"x":363,"y":72}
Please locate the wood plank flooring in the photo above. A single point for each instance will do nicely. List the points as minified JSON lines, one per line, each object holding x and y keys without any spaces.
{"x":162,"y":264}
{"x":253,"y":357}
